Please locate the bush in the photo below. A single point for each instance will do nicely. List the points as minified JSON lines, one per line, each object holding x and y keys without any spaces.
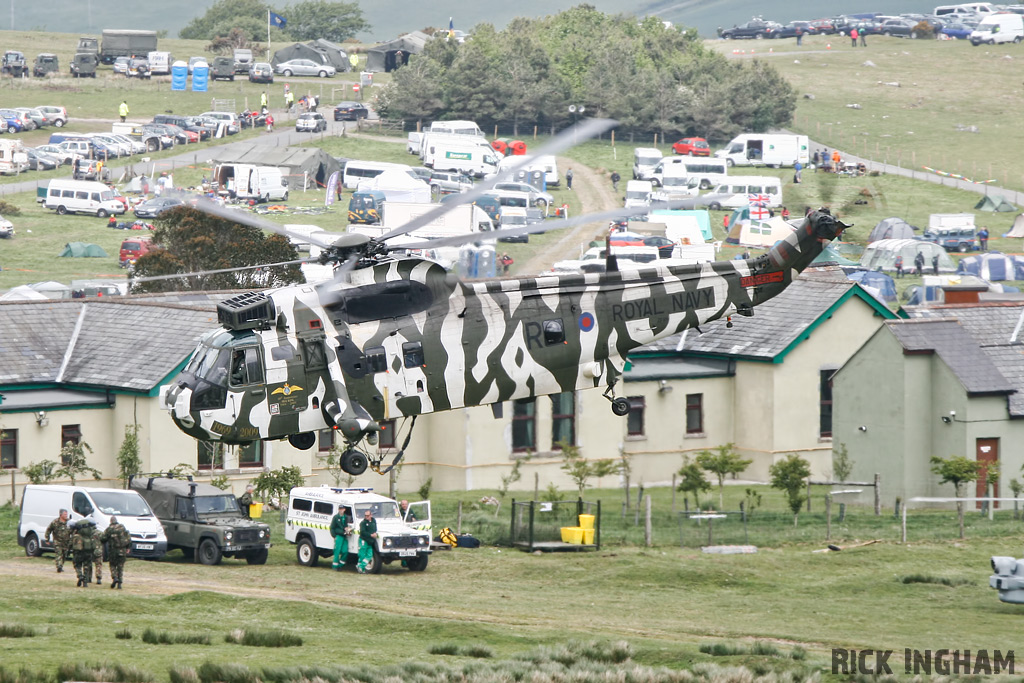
{"x":941,"y":580}
{"x":111,"y":673}
{"x":124,"y":634}
{"x":272,"y":638}
{"x":8,"y":209}
{"x":24,"y":676}
{"x":183,"y":674}
{"x":165,"y":638}
{"x":16,"y":631}
{"x":211,"y":672}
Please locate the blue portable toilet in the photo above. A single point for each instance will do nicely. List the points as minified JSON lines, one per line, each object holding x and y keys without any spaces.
{"x":179,"y":75}
{"x":200,"y":76}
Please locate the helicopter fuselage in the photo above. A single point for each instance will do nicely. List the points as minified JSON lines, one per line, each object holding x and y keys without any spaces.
{"x":407,"y":338}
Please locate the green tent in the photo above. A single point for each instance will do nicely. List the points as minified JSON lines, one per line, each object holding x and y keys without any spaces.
{"x":83,"y":250}
{"x":994,"y":203}
{"x":831,"y":256}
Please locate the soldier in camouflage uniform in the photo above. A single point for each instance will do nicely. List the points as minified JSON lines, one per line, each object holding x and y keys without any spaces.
{"x":83,"y":543}
{"x":119,"y":542}
{"x":97,"y":556}
{"x":61,"y":538}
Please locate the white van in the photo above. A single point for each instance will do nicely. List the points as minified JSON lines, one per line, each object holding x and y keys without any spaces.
{"x":412,"y":142}
{"x":742,"y":190}
{"x":638,"y":193}
{"x":160,"y":63}
{"x":708,"y":173}
{"x":644,"y":161}
{"x":469,"y":159}
{"x":357,"y":171}
{"x":456,"y":128}
{"x":82,"y":196}
{"x":1002,"y":27}
{"x":41,"y":504}
{"x":249,"y":181}
{"x":964,"y":9}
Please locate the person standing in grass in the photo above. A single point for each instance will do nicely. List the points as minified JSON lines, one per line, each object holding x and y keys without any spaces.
{"x":898,"y":265}
{"x":245,"y":500}
{"x":61,"y":534}
{"x":339,"y":530}
{"x":983,"y":239}
{"x":854,"y":33}
{"x":123,"y":110}
{"x":367,"y":539}
{"x":119,"y":542}
{"x":83,"y":542}
{"x":919,"y":263}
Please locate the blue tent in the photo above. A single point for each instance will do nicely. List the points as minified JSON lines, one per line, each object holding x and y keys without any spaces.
{"x":880,"y":285}
{"x":993,"y":266}
{"x":703,"y":219}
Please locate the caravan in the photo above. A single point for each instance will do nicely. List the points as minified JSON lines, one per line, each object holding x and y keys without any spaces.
{"x":13,"y":158}
{"x":357,"y":171}
{"x":645,"y":159}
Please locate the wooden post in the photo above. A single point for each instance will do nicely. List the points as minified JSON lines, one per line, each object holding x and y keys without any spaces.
{"x":536,"y":485}
{"x":711,"y":523}
{"x":655,"y":139}
{"x":878,"y":494}
{"x":533,"y":505}
{"x":458,"y":518}
{"x":535,"y":132}
{"x":808,"y":496}
{"x":903,"y":525}
{"x":511,"y":525}
{"x":828,"y":516}
{"x":495,"y":130}
{"x":673,"y":494}
{"x":647,"y":522}
{"x":842,"y":512}
{"x":613,"y":137}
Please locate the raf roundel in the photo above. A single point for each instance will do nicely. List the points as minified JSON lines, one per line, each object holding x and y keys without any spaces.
{"x":587,"y":322}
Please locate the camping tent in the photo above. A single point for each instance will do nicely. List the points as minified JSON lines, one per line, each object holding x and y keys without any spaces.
{"x":994,"y":203}
{"x":397,"y":186}
{"x":830,"y":256}
{"x":699,"y":215}
{"x":320,"y":51}
{"x":993,"y":266}
{"x":384,"y":57}
{"x":1018,"y":227}
{"x":931,"y":291}
{"x":306,"y":164}
{"x":22,"y":293}
{"x":83,"y":250}
{"x":880,"y":285}
{"x":892,"y":229}
{"x":882,"y":254}
{"x":751,"y":233}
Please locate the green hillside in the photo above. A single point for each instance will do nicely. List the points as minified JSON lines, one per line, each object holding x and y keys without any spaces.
{"x":391,"y":17}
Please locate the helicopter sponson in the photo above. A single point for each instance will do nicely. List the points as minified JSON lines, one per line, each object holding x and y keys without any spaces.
{"x":404,"y":337}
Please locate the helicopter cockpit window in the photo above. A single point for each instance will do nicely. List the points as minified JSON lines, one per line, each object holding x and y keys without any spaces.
{"x":315,"y":354}
{"x":212,"y":372}
{"x":246,"y":367}
{"x":376,"y":360}
{"x":413,"y":353}
{"x":214,"y":367}
{"x":554,"y":333}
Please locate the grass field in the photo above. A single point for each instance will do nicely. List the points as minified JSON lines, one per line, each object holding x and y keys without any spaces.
{"x":665,"y":602}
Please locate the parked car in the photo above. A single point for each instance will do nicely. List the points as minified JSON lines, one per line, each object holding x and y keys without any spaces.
{"x":41,"y":161}
{"x":45,"y":63}
{"x":222,"y":68}
{"x":443,"y":182}
{"x":6,"y":228}
{"x":901,"y":28}
{"x":823,"y":26}
{"x":121,"y":65}
{"x":310,"y":122}
{"x":757,"y":29}
{"x":693,"y":147}
{"x":234,"y":125}
{"x":138,"y":68}
{"x":350,"y":111}
{"x":953,"y":239}
{"x":58,"y":114}
{"x":64,"y":156}
{"x":192,"y":61}
{"x":15,"y":122}
{"x":37,"y":118}
{"x":151,"y":208}
{"x":957,"y":30}
{"x":261,"y":72}
{"x":304,"y":67}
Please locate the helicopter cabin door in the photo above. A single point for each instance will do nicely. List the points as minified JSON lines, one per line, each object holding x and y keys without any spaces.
{"x":288,"y":388}
{"x":400,"y":374}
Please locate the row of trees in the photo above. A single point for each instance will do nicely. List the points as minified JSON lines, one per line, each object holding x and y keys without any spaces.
{"x":648,"y":77}
{"x":306,"y":20}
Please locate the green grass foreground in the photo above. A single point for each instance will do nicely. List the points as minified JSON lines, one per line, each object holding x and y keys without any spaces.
{"x":666,"y":602}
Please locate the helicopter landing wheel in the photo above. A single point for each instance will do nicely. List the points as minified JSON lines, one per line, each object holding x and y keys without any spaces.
{"x":354,"y":462}
{"x":620,"y":406}
{"x":303,"y":441}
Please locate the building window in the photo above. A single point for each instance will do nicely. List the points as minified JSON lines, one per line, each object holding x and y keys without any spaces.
{"x":250,"y":454}
{"x":694,"y":413}
{"x":825,"y":390}
{"x":210,"y":455}
{"x":524,"y":426}
{"x":72,"y":433}
{"x":563,"y":420}
{"x":386,"y":437}
{"x":9,"y":449}
{"x":635,"y":418}
{"x":325,"y":440}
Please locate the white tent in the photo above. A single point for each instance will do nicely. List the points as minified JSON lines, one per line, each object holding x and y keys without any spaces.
{"x":22,"y":293}
{"x":398,"y":186}
{"x":764,"y":233}
{"x":881,"y":255}
{"x":1018,"y":227}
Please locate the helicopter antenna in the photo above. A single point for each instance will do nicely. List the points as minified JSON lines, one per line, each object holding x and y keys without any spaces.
{"x":201,"y":273}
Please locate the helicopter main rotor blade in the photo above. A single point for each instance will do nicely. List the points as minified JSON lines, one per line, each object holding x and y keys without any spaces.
{"x":254,"y":221}
{"x":201,"y":273}
{"x":544,"y":226}
{"x":564,"y":140}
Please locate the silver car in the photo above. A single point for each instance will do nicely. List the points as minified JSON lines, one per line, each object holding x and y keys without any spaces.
{"x":537,"y":198}
{"x":304,"y":67}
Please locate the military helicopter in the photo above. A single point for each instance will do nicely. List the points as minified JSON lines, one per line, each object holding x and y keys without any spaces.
{"x":398,"y":336}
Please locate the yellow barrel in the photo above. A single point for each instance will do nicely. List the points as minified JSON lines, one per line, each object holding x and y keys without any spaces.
{"x":255,"y":510}
{"x":588,"y":537}
{"x":572,"y":534}
{"x":587,"y":521}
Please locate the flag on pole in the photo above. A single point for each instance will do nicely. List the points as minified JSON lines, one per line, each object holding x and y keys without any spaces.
{"x":277,"y":20}
{"x":451,"y":30}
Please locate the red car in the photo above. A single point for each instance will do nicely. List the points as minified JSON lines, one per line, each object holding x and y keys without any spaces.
{"x":694,"y":147}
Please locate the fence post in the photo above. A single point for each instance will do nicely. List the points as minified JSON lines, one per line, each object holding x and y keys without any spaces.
{"x":647,"y":522}
{"x":597,"y":531}
{"x":511,"y":525}
{"x":536,"y":485}
{"x":808,"y":496}
{"x":458,"y":519}
{"x":828,"y":516}
{"x":532,"y":504}
{"x":673,"y":493}
{"x":878,"y":494}
{"x":903,"y":525}
{"x":711,"y":524}
{"x":842,"y":512}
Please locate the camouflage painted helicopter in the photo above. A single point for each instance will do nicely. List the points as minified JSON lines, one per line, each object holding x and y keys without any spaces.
{"x":400,"y":336}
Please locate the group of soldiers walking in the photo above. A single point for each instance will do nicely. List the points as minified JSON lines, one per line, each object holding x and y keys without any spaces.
{"x":84,"y":544}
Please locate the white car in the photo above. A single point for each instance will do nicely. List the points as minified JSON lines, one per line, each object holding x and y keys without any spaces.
{"x":304,"y":67}
{"x":311,"y":122}
{"x":400,"y":536}
{"x":6,"y":228}
{"x":65,"y":155}
{"x":234,"y":124}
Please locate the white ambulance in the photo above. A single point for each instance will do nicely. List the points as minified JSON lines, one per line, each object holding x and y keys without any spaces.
{"x":404,"y":537}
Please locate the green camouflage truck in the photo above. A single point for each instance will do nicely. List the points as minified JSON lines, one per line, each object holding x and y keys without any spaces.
{"x":203,"y":521}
